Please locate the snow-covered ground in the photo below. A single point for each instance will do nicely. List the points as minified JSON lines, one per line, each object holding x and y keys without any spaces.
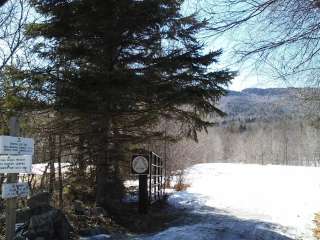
{"x":251,"y":202}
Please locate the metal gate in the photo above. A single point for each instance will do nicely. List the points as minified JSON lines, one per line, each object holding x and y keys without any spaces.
{"x":156,"y":181}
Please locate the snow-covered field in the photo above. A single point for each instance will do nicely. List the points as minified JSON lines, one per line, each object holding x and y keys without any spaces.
{"x":238,"y":201}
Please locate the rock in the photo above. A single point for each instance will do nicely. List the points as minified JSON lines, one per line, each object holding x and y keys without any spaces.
{"x":79,"y":208}
{"x":39,"y":199}
{"x":23,"y":215}
{"x":98,"y":211}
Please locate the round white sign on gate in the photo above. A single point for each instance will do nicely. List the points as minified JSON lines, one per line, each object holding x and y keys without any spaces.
{"x":140,"y":164}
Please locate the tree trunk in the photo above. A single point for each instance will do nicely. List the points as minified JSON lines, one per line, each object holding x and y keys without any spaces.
{"x":60,"y":175}
{"x":109,"y":188}
{"x":81,"y":162}
{"x":52,"y":153}
{"x":108,"y":183}
{"x":101,"y":179}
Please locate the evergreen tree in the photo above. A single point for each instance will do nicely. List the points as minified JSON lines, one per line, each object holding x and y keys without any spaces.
{"x":121,"y":66}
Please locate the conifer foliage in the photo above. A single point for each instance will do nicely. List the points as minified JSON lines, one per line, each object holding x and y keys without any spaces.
{"x":123,"y":65}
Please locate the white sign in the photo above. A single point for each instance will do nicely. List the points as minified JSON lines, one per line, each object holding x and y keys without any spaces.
{"x":16,"y":145}
{"x":15,"y":164}
{"x":12,"y":190}
{"x":140,"y":164}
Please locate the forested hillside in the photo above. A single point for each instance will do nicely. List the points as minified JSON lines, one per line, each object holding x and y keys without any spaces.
{"x":268,"y":104}
{"x":265,"y":126}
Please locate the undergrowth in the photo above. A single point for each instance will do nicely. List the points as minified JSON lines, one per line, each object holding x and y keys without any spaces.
{"x":316,"y":230}
{"x":181,"y":184}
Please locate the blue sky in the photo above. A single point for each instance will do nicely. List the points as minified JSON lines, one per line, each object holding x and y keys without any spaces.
{"x":250,"y":74}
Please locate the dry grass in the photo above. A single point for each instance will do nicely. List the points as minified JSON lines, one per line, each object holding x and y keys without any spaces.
{"x":181,"y":186}
{"x":316,"y":230}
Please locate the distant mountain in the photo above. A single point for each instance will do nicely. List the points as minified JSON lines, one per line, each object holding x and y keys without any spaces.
{"x":267,"y":104}
{"x":270,"y":91}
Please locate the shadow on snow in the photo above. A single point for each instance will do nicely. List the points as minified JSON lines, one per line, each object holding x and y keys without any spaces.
{"x":199,"y":222}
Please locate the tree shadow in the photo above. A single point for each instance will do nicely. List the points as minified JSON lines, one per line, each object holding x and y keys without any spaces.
{"x":200,"y":222}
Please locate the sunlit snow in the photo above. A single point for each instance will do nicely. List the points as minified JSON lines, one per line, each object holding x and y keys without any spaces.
{"x":239,"y":201}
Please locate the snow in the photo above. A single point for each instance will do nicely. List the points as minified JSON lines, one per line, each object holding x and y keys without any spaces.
{"x":96,"y":237}
{"x":242,"y":201}
{"x":40,"y":168}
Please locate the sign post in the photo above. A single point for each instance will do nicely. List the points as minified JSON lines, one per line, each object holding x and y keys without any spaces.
{"x":140,"y":165}
{"x":11,"y":178}
{"x":143,"y":194}
{"x":15,"y":157}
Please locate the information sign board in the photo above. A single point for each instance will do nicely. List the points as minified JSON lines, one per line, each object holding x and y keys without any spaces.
{"x":16,"y":145}
{"x":12,"y":190}
{"x":15,"y":164}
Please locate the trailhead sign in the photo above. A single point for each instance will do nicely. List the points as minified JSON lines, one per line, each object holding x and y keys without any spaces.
{"x":15,"y":164}
{"x":140,"y":164}
{"x":15,"y":157}
{"x":16,"y":145}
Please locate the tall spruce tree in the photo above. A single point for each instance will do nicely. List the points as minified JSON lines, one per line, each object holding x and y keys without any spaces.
{"x":121,"y":66}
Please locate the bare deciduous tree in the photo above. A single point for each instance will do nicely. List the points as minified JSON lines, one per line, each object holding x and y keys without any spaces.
{"x":13,"y":17}
{"x":283,"y":34}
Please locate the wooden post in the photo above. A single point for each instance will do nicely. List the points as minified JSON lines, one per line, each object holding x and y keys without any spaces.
{"x":143,"y":194}
{"x":11,"y":203}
